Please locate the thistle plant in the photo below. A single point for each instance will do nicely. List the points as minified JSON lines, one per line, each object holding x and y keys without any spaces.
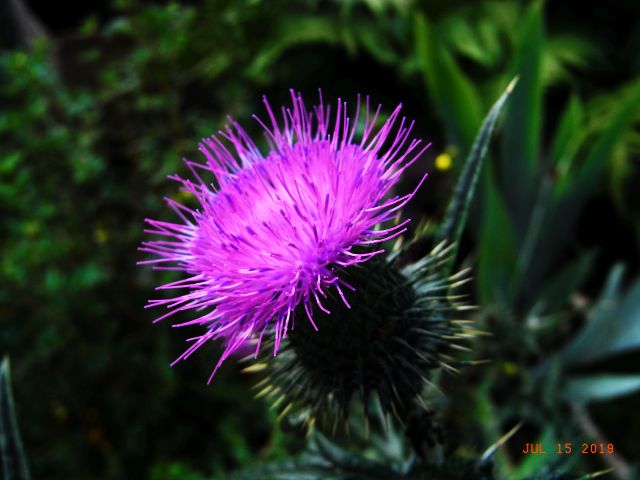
{"x":292,"y":249}
{"x":301,"y":250}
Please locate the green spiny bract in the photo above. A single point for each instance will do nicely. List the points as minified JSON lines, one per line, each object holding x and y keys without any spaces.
{"x":399,"y":329}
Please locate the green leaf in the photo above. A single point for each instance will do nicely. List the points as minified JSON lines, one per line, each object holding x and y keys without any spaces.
{"x":497,"y":252}
{"x":523,"y":278}
{"x":10,"y":163}
{"x":378,"y":46}
{"x":479,"y":41}
{"x":621,"y":175}
{"x":614,"y":326}
{"x":567,"y":138}
{"x":458,"y":210}
{"x":173,"y":471}
{"x":576,"y":180}
{"x":595,"y":388}
{"x":290,"y":34}
{"x":455,"y":98}
{"x":565,"y":53}
{"x":323,"y":459}
{"x":584,"y":176}
{"x":14,"y":462}
{"x":555,"y":293}
{"x":523,"y":120}
{"x":624,"y":331}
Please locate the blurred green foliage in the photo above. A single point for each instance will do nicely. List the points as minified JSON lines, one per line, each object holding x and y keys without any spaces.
{"x":93,"y":120}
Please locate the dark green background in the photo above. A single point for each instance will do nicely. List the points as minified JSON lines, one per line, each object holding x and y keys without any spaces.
{"x":96,"y":115}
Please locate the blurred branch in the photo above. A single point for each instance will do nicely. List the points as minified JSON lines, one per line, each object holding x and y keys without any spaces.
{"x":621,"y":468}
{"x":14,"y":462}
{"x":18,"y":25}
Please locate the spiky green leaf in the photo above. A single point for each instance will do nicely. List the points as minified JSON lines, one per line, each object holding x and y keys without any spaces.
{"x":595,"y":388}
{"x":614,"y":326}
{"x":14,"y":462}
{"x":458,"y":209}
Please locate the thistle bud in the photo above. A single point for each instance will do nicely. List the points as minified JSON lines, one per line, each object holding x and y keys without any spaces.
{"x":380,"y":342}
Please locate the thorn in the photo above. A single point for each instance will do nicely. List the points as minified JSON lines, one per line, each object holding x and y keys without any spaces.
{"x":284,"y":412}
{"x":477,"y":333}
{"x":600,"y":473}
{"x":501,"y":441}
{"x":256,"y":367}
{"x":264,"y":392}
{"x":479,"y":362}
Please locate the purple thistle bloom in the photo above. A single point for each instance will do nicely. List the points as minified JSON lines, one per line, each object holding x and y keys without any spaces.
{"x":274,"y":231}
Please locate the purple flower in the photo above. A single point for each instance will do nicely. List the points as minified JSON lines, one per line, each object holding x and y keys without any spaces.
{"x":273,"y":232}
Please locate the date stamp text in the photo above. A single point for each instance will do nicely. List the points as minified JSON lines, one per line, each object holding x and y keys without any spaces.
{"x":568,"y":449}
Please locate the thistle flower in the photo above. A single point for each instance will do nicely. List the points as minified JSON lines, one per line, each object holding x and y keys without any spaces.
{"x":277,"y":237}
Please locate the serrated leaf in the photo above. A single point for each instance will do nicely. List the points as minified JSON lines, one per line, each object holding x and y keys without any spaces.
{"x":594,"y":388}
{"x":14,"y":462}
{"x":456,"y":215}
{"x":614,"y":326}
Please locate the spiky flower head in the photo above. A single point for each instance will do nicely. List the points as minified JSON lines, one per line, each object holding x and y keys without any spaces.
{"x":278,"y":234}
